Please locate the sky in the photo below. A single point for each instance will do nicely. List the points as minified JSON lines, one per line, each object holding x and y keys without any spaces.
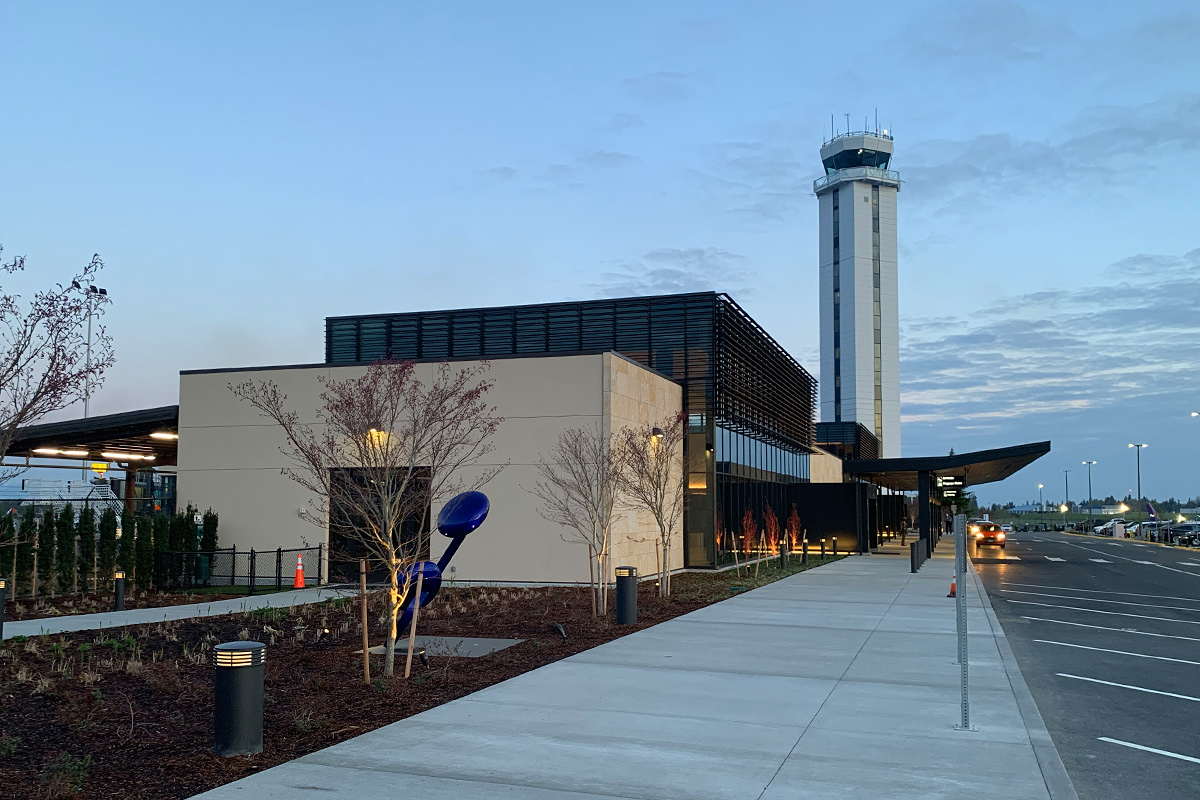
{"x":247,"y":169}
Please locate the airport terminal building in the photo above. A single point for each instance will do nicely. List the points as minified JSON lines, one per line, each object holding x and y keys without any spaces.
{"x":749,"y":409}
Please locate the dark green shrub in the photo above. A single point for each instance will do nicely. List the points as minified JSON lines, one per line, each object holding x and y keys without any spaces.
{"x":126,"y":545}
{"x":144,"y":549}
{"x":208,"y":540}
{"x":64,"y":549}
{"x":86,"y":533}
{"x":27,"y":534}
{"x":45,"y":554}
{"x":107,"y":552}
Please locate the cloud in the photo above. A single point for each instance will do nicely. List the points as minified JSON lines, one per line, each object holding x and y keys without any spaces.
{"x":982,"y":36}
{"x":604,"y":158}
{"x":1102,"y":144}
{"x":621,"y":122}
{"x":1106,"y":346}
{"x":759,"y":179}
{"x":495,"y":175}
{"x":671,"y":270}
{"x":662,"y":87}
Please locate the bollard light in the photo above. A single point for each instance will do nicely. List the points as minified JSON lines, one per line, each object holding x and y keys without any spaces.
{"x":3,"y":603}
{"x":822,"y":547}
{"x":835,"y":545}
{"x":119,"y":590}
{"x":626,"y":595}
{"x":238,"y":698}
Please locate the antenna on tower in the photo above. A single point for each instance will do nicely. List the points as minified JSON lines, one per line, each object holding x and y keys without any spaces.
{"x":832,"y":134}
{"x":847,"y":123}
{"x":876,"y":120}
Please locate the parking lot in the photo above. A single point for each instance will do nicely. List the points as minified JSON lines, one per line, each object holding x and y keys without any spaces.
{"x":1107,"y":635}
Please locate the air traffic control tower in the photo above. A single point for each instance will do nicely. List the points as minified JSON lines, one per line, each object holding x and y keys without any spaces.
{"x":860,"y":330}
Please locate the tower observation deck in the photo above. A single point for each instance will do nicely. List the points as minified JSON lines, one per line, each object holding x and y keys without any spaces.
{"x":860,"y":333}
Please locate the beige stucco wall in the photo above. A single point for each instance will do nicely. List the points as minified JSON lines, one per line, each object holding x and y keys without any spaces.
{"x":636,"y":397}
{"x":229,"y":458}
{"x":824,"y":467}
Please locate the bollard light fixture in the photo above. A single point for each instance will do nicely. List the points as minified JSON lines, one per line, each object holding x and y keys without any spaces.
{"x":240,"y":654}
{"x":119,"y":575}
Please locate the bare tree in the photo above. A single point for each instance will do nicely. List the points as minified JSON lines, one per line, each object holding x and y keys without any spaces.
{"x":45,"y":361}
{"x":652,"y":478}
{"x":383,"y":449}
{"x":578,"y":487}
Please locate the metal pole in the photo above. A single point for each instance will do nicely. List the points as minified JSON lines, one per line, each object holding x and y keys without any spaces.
{"x":362,"y":576}
{"x":1067,"y":488}
{"x":960,"y":561}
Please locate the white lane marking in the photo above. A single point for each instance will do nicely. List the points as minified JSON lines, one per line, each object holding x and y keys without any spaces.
{"x":1114,"y":555}
{"x":1148,"y":749}
{"x":1118,"y":630}
{"x":1098,"y":591}
{"x":1128,"y":686}
{"x":1111,"y":613}
{"x":1188,"y":564}
{"x":1100,"y":560}
{"x":1120,"y":652}
{"x":1102,"y":600}
{"x":1139,"y":545}
{"x":1054,"y":558}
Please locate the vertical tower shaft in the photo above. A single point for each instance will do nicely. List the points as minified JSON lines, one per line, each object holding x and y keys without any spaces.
{"x":860,"y":331}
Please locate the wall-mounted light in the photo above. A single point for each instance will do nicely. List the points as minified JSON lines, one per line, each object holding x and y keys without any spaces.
{"x":656,"y":433}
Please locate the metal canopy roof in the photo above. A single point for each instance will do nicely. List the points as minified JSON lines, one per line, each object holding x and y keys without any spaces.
{"x":127,"y":433}
{"x":983,"y":466}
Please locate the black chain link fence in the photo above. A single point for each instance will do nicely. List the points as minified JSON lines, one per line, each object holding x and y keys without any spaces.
{"x":253,"y":569}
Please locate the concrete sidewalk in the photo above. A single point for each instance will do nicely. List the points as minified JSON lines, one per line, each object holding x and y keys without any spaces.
{"x":141,"y":616}
{"x":838,"y":682}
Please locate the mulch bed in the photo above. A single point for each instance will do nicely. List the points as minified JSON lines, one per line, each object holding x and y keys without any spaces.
{"x":128,"y":713}
{"x":24,"y":608}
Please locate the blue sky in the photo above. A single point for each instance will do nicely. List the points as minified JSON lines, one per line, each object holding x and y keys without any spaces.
{"x":248,"y":169}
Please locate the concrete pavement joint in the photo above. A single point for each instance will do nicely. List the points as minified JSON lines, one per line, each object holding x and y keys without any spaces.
{"x":842,"y":677}
{"x":1054,"y":772}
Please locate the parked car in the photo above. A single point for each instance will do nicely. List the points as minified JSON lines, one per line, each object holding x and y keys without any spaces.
{"x":987,"y":533}
{"x":1185,"y":533}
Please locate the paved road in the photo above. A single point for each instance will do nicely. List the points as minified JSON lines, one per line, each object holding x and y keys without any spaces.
{"x":1107,"y":635}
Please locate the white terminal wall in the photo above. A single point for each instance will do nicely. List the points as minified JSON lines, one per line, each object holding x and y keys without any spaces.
{"x":230,"y":460}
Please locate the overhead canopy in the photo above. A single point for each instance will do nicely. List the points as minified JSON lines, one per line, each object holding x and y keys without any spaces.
{"x":983,"y":466}
{"x":149,"y":437}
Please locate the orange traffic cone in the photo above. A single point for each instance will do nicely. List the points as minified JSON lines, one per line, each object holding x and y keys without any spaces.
{"x":299,"y":582}
{"x":953,"y":585}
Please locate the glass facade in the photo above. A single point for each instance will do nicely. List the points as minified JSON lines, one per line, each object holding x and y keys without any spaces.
{"x":749,"y":405}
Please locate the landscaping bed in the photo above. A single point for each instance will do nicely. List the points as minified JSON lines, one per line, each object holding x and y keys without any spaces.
{"x":127,"y":713}
{"x":24,"y":608}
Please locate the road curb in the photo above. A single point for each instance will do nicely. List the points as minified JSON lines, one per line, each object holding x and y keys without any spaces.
{"x":1054,"y":772}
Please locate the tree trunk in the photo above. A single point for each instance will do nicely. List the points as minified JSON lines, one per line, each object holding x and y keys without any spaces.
{"x":389,"y":658}
{"x":592,"y":577}
{"x":663,"y":588}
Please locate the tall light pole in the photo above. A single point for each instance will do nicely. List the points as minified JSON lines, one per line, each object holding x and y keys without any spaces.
{"x":93,"y":293}
{"x":1138,"y":448}
{"x":1091,"y":512}
{"x":1067,"y":488}
{"x":1041,"y":504}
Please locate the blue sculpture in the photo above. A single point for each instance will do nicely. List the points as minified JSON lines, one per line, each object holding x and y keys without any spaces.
{"x":460,"y":516}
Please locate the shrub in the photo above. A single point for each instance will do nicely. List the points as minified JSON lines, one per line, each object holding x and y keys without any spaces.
{"x":107,"y":553}
{"x":65,"y":775}
{"x":45,"y":554}
{"x":64,"y":546}
{"x":86,"y":532}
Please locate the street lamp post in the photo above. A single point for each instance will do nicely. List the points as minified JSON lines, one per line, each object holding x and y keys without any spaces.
{"x":1091,"y":511}
{"x":1041,"y":504}
{"x":1138,"y":449}
{"x":1067,"y":489}
{"x":93,"y":293}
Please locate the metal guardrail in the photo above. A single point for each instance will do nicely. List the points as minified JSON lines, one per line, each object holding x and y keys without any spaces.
{"x":856,"y":173}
